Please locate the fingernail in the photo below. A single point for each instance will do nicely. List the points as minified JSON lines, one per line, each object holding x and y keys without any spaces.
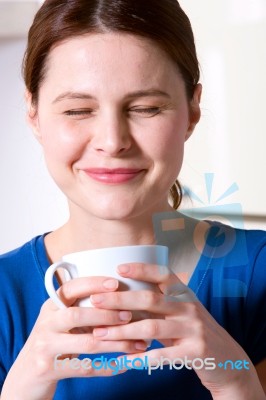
{"x":110,"y":283}
{"x":141,"y":345}
{"x":124,"y":269}
{"x":125,"y":315}
{"x":96,"y":298}
{"x":100,"y":332}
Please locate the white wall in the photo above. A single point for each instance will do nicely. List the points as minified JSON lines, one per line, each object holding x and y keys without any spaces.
{"x":231,"y":138}
{"x":230,"y":141}
{"x":30,"y":203}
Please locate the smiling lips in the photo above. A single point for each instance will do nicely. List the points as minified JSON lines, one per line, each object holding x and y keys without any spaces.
{"x":117,"y":175}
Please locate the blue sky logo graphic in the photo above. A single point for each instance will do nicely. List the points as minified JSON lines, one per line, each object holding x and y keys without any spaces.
{"x":209,"y":178}
{"x":232,"y":212}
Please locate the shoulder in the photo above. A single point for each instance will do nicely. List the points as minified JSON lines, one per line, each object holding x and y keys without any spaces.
{"x":21,"y":256}
{"x":233,"y":262}
{"x":234,"y":245}
{"x":16,"y":263}
{"x":14,"y":256}
{"x":22,"y":290}
{"x":238,"y":257}
{"x":22,"y":271}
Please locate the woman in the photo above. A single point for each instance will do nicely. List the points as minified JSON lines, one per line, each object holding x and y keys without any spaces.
{"x":113,"y":93}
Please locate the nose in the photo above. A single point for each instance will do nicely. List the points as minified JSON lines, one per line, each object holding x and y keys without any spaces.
{"x":112,"y":135}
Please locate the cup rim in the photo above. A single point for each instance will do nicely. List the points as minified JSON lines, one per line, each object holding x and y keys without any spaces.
{"x":113,"y":248}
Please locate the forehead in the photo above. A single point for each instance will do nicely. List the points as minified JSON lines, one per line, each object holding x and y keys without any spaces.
{"x":109,"y":60}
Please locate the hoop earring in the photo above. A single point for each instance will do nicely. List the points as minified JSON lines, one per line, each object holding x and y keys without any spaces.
{"x":176,"y":194}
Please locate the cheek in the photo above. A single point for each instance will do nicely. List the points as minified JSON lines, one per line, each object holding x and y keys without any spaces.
{"x":167,"y":142}
{"x":59,"y":143}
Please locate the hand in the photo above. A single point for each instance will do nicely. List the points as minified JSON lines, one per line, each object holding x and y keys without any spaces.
{"x":182,"y":324}
{"x":33,"y":376}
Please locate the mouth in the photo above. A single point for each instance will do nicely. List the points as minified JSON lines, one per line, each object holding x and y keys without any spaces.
{"x":113,"y":176}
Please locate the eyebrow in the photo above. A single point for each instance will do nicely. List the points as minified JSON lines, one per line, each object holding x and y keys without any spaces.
{"x":148,"y":93}
{"x":72,"y":95}
{"x":139,"y":93}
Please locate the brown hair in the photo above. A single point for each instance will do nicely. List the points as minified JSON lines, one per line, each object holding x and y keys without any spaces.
{"x":162,"y":21}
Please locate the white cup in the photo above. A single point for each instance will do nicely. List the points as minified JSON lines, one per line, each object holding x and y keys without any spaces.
{"x":104,"y":262}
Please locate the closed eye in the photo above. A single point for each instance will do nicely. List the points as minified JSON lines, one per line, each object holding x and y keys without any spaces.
{"x":78,"y":112}
{"x":146,"y":111}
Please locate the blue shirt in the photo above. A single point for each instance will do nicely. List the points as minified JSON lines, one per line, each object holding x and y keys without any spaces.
{"x":229,"y":280}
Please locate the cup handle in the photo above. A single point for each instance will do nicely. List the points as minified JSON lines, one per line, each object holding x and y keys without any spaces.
{"x":48,"y":280}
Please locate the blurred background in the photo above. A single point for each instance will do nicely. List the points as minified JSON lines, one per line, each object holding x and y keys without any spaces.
{"x":223,"y":175}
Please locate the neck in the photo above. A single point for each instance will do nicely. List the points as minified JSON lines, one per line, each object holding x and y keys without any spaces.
{"x":85,"y":232}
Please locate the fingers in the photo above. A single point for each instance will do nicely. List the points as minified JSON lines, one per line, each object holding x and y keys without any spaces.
{"x":146,"y":329}
{"x":52,"y":336}
{"x":146,"y":272}
{"x":148,"y":300}
{"x":167,"y":281}
{"x":88,"y":344}
{"x":79,"y":288}
{"x":77,"y":317}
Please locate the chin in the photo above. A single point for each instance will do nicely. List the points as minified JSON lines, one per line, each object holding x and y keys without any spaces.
{"x":119,"y":210}
{"x":112,"y":215}
{"x":114,"y":209}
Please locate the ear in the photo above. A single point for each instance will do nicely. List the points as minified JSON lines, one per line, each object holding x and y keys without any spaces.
{"x":194,"y":110}
{"x":32,"y":116}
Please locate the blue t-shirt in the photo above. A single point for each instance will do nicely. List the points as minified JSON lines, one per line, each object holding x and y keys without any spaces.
{"x":229,"y":280}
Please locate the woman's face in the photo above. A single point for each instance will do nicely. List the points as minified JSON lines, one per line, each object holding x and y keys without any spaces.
{"x":112,"y":118}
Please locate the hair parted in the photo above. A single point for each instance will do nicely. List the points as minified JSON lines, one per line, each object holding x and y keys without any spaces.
{"x":162,"y":21}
